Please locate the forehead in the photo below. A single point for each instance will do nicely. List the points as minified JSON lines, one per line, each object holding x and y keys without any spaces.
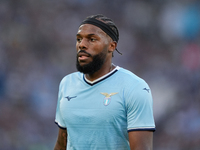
{"x":90,"y":29}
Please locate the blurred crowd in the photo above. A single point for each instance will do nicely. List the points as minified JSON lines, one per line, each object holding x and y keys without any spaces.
{"x":159,"y":40}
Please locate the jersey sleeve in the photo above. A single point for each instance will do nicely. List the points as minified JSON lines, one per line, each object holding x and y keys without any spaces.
{"x":139,"y":105}
{"x":58,"y":118}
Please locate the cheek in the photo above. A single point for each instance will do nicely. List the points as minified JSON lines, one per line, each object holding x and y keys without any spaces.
{"x":105,"y":48}
{"x":100,"y":49}
{"x":77,"y":46}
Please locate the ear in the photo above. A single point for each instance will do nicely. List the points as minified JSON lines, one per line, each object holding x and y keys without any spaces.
{"x":112,"y":46}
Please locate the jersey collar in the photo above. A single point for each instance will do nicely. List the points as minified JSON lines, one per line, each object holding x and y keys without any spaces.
{"x":101,"y":78}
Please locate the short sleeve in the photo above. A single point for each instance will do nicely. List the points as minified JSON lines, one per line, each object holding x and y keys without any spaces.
{"x":139,"y":107}
{"x":58,"y":119}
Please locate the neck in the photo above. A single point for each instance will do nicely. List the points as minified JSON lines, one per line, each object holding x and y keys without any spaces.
{"x":104,"y":70}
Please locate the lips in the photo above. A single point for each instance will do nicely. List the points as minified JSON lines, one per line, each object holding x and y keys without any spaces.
{"x":82,"y":55}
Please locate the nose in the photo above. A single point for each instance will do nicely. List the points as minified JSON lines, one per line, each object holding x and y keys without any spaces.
{"x":82,"y":44}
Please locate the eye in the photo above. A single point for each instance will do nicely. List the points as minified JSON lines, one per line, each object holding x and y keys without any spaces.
{"x":92,"y":39}
{"x":78,"y":39}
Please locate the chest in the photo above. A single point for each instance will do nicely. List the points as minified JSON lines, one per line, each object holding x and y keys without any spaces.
{"x":93,"y":106}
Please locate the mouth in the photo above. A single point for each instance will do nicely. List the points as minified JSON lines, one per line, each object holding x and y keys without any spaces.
{"x":82,"y":55}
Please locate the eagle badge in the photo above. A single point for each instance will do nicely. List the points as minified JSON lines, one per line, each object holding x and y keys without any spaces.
{"x":107,"y":98}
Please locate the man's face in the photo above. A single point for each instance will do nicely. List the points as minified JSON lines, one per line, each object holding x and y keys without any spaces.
{"x":92,"y":48}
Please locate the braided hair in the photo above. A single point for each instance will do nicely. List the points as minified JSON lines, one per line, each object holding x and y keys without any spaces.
{"x":109,"y":22}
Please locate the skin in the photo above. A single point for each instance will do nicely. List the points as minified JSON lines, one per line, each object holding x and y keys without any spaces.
{"x":141,"y":140}
{"x":93,"y":40}
{"x":61,"y":142}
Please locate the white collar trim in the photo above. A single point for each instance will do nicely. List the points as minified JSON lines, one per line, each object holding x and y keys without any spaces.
{"x":102,"y":77}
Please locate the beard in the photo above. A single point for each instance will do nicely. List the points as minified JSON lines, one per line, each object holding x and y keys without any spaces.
{"x":94,"y":66}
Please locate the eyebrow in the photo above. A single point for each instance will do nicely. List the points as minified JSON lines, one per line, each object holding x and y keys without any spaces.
{"x":87,"y":35}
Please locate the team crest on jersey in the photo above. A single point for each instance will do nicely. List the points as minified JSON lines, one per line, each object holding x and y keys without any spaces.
{"x":107,"y":98}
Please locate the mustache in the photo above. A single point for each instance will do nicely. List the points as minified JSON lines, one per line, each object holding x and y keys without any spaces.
{"x":83,"y":51}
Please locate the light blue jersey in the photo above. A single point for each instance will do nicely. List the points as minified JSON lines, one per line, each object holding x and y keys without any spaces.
{"x":98,"y":115}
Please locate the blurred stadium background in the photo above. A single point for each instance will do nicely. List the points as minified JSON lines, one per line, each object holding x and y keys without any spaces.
{"x":160,"y":42}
